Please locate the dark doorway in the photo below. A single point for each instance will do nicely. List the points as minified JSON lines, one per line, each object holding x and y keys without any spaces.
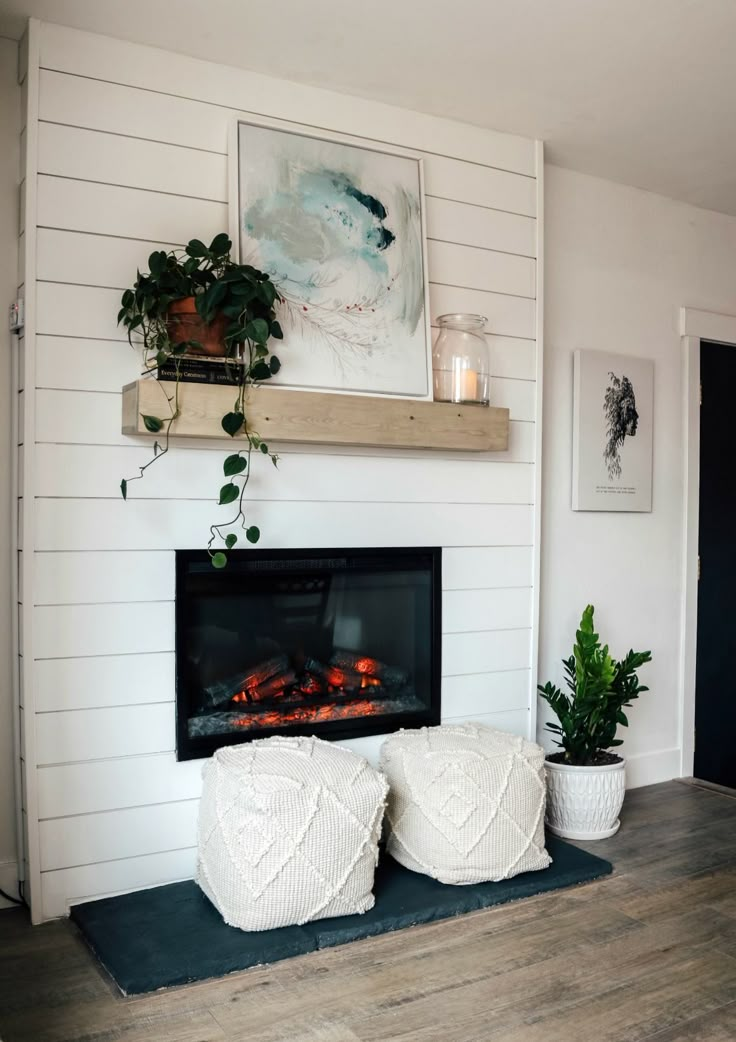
{"x":715,"y":686}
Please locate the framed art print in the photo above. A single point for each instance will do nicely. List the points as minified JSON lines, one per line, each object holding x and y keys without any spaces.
{"x":339,"y":226}
{"x":613,"y":400}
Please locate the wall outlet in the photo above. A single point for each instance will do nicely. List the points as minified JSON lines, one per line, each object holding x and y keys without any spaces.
{"x":17,"y":315}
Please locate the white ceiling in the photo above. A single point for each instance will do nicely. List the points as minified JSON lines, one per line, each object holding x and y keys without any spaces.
{"x":638,"y":91}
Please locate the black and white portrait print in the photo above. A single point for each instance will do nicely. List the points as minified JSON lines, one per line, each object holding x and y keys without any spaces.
{"x":622,"y":419}
{"x":612,"y":432}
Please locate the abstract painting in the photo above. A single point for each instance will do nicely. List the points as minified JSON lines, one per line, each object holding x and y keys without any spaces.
{"x":339,"y":227}
{"x":613,"y":398}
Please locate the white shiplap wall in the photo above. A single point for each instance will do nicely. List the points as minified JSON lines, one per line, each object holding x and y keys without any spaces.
{"x":127,"y":153}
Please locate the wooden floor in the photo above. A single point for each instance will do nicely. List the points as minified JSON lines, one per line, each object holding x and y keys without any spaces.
{"x":649,"y":953}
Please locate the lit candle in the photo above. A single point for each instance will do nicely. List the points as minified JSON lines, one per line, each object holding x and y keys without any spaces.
{"x":467,"y":385}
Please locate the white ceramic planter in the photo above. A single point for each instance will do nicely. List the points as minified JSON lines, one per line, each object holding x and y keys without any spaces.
{"x":584,"y":802}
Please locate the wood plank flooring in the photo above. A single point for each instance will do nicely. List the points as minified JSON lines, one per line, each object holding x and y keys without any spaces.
{"x":645,"y":955}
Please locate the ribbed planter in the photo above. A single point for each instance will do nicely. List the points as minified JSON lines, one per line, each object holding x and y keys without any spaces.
{"x":584,"y":802}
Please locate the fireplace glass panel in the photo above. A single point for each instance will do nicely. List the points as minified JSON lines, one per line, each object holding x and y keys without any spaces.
{"x":337,"y":643}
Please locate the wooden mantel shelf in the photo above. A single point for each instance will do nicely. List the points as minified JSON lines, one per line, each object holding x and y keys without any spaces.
{"x":319,"y":418}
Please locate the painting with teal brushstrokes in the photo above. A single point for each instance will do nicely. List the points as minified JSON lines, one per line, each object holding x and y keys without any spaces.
{"x":339,"y":227}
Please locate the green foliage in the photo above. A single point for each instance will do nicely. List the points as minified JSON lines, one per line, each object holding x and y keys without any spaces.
{"x":245,"y":297}
{"x":600,"y":688}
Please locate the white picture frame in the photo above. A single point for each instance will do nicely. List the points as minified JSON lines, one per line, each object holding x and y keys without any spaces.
{"x":279,"y":227}
{"x":613,"y":412}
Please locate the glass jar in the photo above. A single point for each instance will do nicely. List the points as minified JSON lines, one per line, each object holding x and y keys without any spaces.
{"x":461,"y":360}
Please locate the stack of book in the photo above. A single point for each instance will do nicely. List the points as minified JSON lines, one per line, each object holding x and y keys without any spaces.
{"x":201,"y":370}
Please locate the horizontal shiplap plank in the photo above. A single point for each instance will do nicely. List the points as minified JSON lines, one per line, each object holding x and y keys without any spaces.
{"x":91,"y":311}
{"x":95,"y":471}
{"x":86,"y":259}
{"x":87,"y":577}
{"x":467,"y":610}
{"x":70,"y":630}
{"x":483,"y":693}
{"x":480,"y":185}
{"x":100,"y":578}
{"x":514,"y":722}
{"x":70,"y":363}
{"x":481,"y":269}
{"x":116,"y":834}
{"x":512,"y":357}
{"x":116,"y":107}
{"x":506,"y":315}
{"x":78,"y":630}
{"x":129,"y":212}
{"x":486,"y":567}
{"x":89,"y":155}
{"x":95,"y":734}
{"x":87,"y":788}
{"x":481,"y":226}
{"x":71,"y":524}
{"x":464,"y":653}
{"x":69,"y":886}
{"x":103,"y":260}
{"x":114,"y":680}
{"x":105,"y":59}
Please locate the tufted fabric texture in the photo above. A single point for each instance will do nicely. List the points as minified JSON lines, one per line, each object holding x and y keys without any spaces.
{"x":466,"y":803}
{"x":288,"y":832}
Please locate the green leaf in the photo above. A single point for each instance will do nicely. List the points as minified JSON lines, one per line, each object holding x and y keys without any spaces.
{"x":124,"y":488}
{"x":253,"y":534}
{"x":260,"y":371}
{"x":157,"y":263}
{"x":221,"y":244}
{"x":274,"y":365}
{"x":232,"y":422}
{"x":219,"y":560}
{"x":276,"y":331}
{"x":230,"y":540}
{"x":152,"y":423}
{"x":234,"y":464}
{"x":257,"y":330}
{"x":264,"y":448}
{"x":195,"y":248}
{"x":229,"y":493}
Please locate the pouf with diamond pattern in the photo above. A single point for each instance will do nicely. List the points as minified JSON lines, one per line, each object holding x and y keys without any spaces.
{"x":288,"y":832}
{"x":466,"y":803}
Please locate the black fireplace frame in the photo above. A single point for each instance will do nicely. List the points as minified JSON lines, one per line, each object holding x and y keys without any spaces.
{"x":188,"y":748}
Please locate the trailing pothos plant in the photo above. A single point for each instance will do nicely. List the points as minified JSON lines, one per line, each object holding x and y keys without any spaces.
{"x":241,"y":300}
{"x":601,"y":688}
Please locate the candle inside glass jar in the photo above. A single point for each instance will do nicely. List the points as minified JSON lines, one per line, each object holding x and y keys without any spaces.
{"x":468,"y":385}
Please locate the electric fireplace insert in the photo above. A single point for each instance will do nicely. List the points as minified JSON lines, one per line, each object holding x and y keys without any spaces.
{"x":339,"y":643}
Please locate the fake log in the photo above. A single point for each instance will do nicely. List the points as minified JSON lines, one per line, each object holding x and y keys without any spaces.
{"x":370,"y":667}
{"x":269,"y":689}
{"x":222,"y":692}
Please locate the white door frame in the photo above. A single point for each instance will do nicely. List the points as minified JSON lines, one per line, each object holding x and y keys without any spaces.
{"x":695,"y":325}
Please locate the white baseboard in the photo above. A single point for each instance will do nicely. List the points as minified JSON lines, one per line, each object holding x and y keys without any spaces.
{"x":651,"y":768}
{"x":8,"y":882}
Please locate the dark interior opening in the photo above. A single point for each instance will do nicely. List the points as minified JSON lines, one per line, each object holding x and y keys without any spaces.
{"x":339,"y":643}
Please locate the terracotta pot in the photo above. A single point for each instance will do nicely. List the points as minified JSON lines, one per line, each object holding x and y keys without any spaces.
{"x":184,"y":323}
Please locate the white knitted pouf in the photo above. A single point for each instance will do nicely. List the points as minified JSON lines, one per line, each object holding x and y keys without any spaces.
{"x":288,"y":832}
{"x":466,"y":803}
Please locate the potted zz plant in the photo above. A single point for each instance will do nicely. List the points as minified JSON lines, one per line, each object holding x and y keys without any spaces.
{"x":585,"y":781}
{"x":199,"y":301}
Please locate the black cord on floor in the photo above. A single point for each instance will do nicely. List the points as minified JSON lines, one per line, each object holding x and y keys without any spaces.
{"x":14,"y":900}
